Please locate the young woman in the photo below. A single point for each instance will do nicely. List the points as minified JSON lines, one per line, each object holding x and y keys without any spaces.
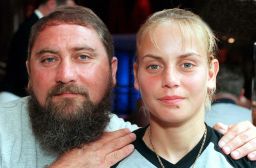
{"x":175,"y":72}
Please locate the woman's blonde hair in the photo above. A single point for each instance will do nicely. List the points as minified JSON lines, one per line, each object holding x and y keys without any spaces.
{"x":190,"y":26}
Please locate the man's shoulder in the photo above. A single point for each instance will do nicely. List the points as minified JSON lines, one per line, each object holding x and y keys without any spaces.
{"x":229,"y":105}
{"x":227,"y":113}
{"x":117,"y":123}
{"x":19,"y":147}
{"x":17,"y":104}
{"x":12,"y":112}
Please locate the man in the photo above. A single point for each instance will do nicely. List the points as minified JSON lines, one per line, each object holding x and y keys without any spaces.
{"x":16,"y":76}
{"x":227,"y":107}
{"x":72,"y":71}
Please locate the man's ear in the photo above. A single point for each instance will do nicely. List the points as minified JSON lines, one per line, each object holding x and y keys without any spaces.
{"x":28,"y":71}
{"x":114,"y":64}
{"x":135,"y":73}
{"x":28,"y":68}
{"x":212,"y":74}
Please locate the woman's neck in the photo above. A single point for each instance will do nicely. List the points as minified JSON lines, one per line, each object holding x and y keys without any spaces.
{"x":173,"y":143}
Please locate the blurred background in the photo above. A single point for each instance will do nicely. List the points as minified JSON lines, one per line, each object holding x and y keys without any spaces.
{"x":233,"y":21}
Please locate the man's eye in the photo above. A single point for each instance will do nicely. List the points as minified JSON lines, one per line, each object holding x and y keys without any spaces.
{"x":153,"y":67}
{"x":187,"y":65}
{"x":48,"y":60}
{"x":83,"y":57}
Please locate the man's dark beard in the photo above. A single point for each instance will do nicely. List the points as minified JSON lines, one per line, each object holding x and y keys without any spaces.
{"x":60,"y":129}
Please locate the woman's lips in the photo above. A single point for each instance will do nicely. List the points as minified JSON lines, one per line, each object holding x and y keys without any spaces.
{"x":171,"y":100}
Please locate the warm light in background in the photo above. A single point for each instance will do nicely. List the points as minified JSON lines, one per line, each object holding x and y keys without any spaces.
{"x":231,"y":40}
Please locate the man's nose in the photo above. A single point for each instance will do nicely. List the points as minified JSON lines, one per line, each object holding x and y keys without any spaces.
{"x":65,"y":72}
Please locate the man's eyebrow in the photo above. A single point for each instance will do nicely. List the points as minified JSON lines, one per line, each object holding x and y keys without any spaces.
{"x":151,"y":56}
{"x":52,"y":51}
{"x":42,"y":51}
{"x":86,"y":48}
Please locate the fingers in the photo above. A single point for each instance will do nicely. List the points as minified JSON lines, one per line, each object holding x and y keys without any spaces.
{"x":242,"y":151}
{"x":108,"y":136}
{"x":104,"y":152}
{"x":118,"y":147}
{"x":118,"y":155}
{"x":113,"y":146}
{"x":232,"y":132}
{"x":221,"y":128}
{"x":252,"y":156}
{"x":124,"y":139}
{"x":239,"y":140}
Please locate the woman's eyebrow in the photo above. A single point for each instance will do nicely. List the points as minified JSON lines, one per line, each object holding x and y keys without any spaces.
{"x":190,"y":54}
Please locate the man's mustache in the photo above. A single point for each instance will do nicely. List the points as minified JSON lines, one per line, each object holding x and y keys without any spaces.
{"x":72,"y":89}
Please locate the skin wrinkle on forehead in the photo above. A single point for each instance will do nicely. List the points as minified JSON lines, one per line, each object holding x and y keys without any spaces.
{"x":55,"y":51}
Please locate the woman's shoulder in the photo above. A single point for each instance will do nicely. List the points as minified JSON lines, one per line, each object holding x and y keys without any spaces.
{"x":213,"y":154}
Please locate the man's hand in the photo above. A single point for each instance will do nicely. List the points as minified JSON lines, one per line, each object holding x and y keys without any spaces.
{"x":239,"y":140}
{"x":103,"y":153}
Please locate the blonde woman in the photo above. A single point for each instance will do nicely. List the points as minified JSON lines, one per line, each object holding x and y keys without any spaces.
{"x":175,"y":72}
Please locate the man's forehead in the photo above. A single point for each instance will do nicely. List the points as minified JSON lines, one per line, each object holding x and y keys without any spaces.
{"x":74,"y":32}
{"x":60,"y":23}
{"x":73,"y":39}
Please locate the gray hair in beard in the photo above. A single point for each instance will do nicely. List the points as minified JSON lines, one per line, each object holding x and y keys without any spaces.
{"x":60,"y":129}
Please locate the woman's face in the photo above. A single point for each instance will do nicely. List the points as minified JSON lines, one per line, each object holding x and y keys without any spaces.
{"x":173,"y":75}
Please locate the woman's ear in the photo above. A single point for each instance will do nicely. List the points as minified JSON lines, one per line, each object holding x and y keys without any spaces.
{"x":135,"y":73}
{"x":212,"y":74}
